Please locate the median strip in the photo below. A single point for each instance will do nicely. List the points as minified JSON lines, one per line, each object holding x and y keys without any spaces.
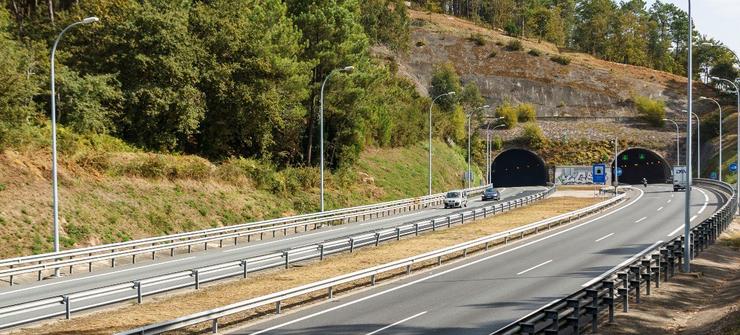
{"x":169,"y":307}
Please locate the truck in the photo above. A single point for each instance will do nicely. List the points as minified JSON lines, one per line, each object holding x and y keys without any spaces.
{"x":680,"y":178}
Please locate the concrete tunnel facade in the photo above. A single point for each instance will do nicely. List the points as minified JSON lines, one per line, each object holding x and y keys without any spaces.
{"x":518,"y":167}
{"x":638,"y":163}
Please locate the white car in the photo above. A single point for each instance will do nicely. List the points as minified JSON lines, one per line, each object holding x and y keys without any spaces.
{"x":456,"y":199}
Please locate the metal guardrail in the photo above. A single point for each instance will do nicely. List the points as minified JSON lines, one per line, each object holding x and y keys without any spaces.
{"x":437,"y":256}
{"x":582,"y":311}
{"x":50,"y":262}
{"x":67,"y":304}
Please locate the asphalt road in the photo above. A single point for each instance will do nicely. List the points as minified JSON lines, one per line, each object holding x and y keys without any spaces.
{"x":484,"y":293}
{"x":132,"y":272}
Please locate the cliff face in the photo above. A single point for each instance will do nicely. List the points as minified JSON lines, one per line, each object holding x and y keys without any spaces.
{"x":585,"y":87}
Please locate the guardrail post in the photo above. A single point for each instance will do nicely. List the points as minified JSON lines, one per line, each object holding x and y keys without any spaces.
{"x":610,"y":299}
{"x":244,"y":268}
{"x":321,"y":252}
{"x":636,"y":281}
{"x":416,"y":229}
{"x":462,"y":218}
{"x":196,"y":274}
{"x":330,"y":294}
{"x":133,"y":258}
{"x":434,"y":225}
{"x":593,"y":309}
{"x":137,"y":286}
{"x":214,"y":326}
{"x":624,"y":291}
{"x":449,"y":222}
{"x":553,"y":316}
{"x":398,"y":234}
{"x":657,"y":269}
{"x":372,"y":280}
{"x":351,"y":245}
{"x":67,"y":307}
{"x":377,"y":239}
{"x":287,"y":258}
{"x":439,"y":260}
{"x":647,"y":264}
{"x":408,"y":269}
{"x":278,"y":307}
{"x":575,"y":318}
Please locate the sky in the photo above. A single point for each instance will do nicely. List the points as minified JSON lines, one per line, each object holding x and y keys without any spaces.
{"x":719,"y":19}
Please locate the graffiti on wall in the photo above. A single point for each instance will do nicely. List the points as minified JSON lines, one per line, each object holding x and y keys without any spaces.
{"x":574,"y":175}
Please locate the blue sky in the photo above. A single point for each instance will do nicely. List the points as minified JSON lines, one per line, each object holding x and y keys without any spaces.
{"x":719,"y":19}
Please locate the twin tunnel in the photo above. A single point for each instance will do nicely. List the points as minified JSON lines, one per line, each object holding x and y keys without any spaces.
{"x":521,"y":167}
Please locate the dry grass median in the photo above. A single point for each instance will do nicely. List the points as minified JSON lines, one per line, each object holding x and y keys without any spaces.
{"x":168,"y":307}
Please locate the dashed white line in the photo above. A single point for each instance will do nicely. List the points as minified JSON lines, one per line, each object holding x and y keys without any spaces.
{"x":396,"y":323}
{"x":603,"y":238}
{"x":660,"y":208}
{"x":669,"y":201}
{"x":534,"y":267}
{"x":641,"y":219}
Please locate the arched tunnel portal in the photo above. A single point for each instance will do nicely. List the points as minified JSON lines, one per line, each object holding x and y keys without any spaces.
{"x":638,"y":163}
{"x":518,"y":167}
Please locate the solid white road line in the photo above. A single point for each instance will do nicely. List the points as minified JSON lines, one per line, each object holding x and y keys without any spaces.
{"x":435,"y":275}
{"x":399,"y":322}
{"x":603,"y":238}
{"x":642,"y":219}
{"x":280,"y":240}
{"x":534,"y":267}
{"x":660,"y":208}
{"x":94,"y":276}
{"x":388,"y":219}
{"x":706,"y":201}
{"x":629,"y":260}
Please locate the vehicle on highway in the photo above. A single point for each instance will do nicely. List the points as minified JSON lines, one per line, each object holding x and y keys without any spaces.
{"x":455,"y":199}
{"x":680,"y":178}
{"x":491,"y":194}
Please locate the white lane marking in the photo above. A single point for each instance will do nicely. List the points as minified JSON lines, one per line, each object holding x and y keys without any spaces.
{"x":630,"y":260}
{"x":399,"y":322}
{"x":534,"y":267}
{"x":693,"y":218}
{"x":603,"y":238}
{"x":388,"y":219}
{"x":706,"y":201}
{"x":660,"y":208}
{"x":435,"y":275}
{"x":280,"y":240}
{"x":94,"y":276}
{"x":669,"y":201}
{"x":671,"y":195}
{"x":642,"y":219}
{"x":680,"y":227}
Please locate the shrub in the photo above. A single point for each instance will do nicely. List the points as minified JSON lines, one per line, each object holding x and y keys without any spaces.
{"x":492,"y":54}
{"x":652,"y":111}
{"x":499,"y":43}
{"x":526,"y":113}
{"x":535,"y":52}
{"x":497,"y":143}
{"x":420,"y":43}
{"x":533,"y":135}
{"x":2,"y":187}
{"x":562,"y":60}
{"x":514,"y":45}
{"x":509,"y":113}
{"x":478,"y":39}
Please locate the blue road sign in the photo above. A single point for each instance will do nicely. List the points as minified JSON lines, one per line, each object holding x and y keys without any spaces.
{"x":619,"y":171}
{"x":599,"y":174}
{"x":713,"y":175}
{"x":733,"y":167}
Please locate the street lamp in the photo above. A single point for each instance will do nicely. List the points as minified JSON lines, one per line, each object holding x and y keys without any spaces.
{"x":430,"y":136}
{"x":54,"y":185}
{"x":678,"y":160}
{"x":468,"y":177}
{"x":719,"y":167}
{"x":321,"y":125}
{"x":737,"y":94}
{"x":488,"y":148}
{"x":698,"y":144}
{"x":687,"y":203}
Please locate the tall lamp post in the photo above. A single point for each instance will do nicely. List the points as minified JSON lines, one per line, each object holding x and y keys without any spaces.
{"x":54,"y":185}
{"x":687,"y":204}
{"x":678,"y":157}
{"x":430,"y":136}
{"x":321,"y":125}
{"x":737,"y":94}
{"x":468,"y":177}
{"x":719,"y":166}
{"x":698,"y":145}
{"x":488,"y":148}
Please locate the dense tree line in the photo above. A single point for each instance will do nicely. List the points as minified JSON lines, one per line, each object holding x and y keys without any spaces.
{"x":218,"y":78}
{"x":627,"y":32}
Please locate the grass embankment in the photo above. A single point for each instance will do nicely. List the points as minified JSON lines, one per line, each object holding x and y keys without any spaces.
{"x":112,"y":192}
{"x":166,"y":308}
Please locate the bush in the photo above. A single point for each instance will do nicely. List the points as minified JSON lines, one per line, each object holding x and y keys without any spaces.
{"x":497,"y":143}
{"x":652,"y":111}
{"x":535,"y":52}
{"x":161,"y":166}
{"x":499,"y":43}
{"x":526,"y":113}
{"x":420,"y":43}
{"x":562,"y":60}
{"x":509,"y":113}
{"x":478,"y":39}
{"x":492,"y":54}
{"x":514,"y":45}
{"x":533,"y":135}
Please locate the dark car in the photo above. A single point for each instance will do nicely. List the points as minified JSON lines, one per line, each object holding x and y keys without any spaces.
{"x":491,"y":194}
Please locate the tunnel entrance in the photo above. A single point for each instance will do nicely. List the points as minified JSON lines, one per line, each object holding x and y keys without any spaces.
{"x":518,"y":167}
{"x":638,"y":163}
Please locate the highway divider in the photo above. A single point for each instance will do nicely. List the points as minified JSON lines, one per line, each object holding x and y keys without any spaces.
{"x":371,"y":274}
{"x":52,"y":263}
{"x":66,"y":305}
{"x":582,"y":311}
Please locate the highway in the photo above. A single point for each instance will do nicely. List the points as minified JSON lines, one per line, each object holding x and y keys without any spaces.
{"x":133,"y":272}
{"x":481,"y":294}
